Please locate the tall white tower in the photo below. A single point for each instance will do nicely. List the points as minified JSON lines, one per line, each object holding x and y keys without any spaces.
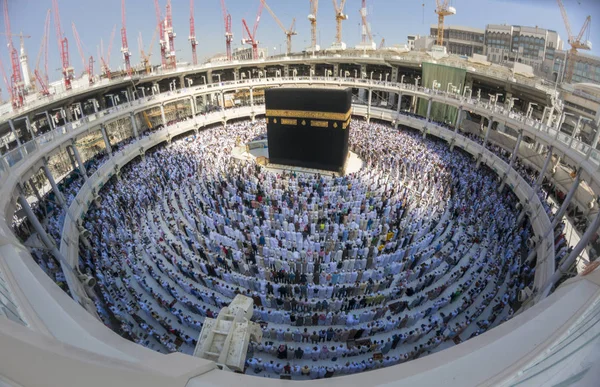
{"x":25,"y":66}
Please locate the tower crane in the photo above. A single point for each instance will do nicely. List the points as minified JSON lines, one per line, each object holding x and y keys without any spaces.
{"x":161,"y":34}
{"x":443,"y":9}
{"x":43,"y":51}
{"x":192,"y":38}
{"x":288,"y":32}
{"x":106,"y":61}
{"x":23,"y":60}
{"x":124,"y":45}
{"x":63,"y":46}
{"x":252,"y":35}
{"x":146,"y":55}
{"x":575,"y":42}
{"x":340,"y":16}
{"x":312,"y":17}
{"x":86,"y":66}
{"x":228,"y":33}
{"x":6,"y":83}
{"x":16,"y":81}
{"x":170,"y":38}
{"x":367,"y":42}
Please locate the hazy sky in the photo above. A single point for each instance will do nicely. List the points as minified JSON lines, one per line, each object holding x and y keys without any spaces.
{"x":390,"y":19}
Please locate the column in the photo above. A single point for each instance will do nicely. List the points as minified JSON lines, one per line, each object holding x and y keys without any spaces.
{"x":399,"y":103}
{"x":458,"y":119}
{"x":14,"y":131}
{"x":35,"y":191}
{"x":51,"y":122}
{"x":513,"y":157}
{"x":79,"y":162}
{"x":29,"y":127}
{"x":162,"y":115}
{"x":369,"y":105}
{"x":251,"y":99}
{"x":512,"y":160}
{"x":485,"y":139}
{"x":414,"y":104}
{"x":429,"y":108}
{"x":537,"y":183}
{"x":540,"y":178}
{"x":583,"y":242}
{"x":567,"y":201}
{"x":39,"y":229}
{"x":560,"y":123}
{"x":95,"y":105}
{"x":134,"y":125}
{"x":550,"y":116}
{"x":59,"y":196}
{"x":193,"y":105}
{"x":106,"y":142}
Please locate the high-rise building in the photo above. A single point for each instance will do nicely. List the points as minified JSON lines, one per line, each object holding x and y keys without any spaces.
{"x":462,"y":40}
{"x":533,"y":46}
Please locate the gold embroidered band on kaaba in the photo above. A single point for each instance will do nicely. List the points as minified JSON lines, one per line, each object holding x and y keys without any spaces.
{"x":309,"y":114}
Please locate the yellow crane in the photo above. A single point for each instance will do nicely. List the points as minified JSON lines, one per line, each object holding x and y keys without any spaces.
{"x":576,"y":42}
{"x":288,"y":32}
{"x":443,"y":9}
{"x":340,"y":16}
{"x":146,"y":57}
{"x":312,"y":17}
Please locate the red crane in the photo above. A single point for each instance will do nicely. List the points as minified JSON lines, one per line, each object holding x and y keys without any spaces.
{"x":228,"y":33}
{"x":124,"y":45}
{"x":8,"y":85}
{"x":192,"y":37}
{"x":63,"y":47}
{"x":43,"y":51}
{"x":252,"y":35}
{"x":171,"y":59}
{"x":161,"y":35}
{"x":86,"y":68}
{"x":16,"y":85}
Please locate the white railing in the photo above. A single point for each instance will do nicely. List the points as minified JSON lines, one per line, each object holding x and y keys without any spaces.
{"x":39,"y":146}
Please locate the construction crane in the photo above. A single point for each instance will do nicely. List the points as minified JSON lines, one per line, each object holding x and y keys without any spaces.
{"x":340,"y":16}
{"x":192,"y":38}
{"x":5,"y":79}
{"x":124,"y":45}
{"x":161,"y":34}
{"x":105,"y":60}
{"x":288,"y":32}
{"x":63,"y":47}
{"x":252,"y":35}
{"x":443,"y":9}
{"x":43,"y":51}
{"x":85,"y":63}
{"x":312,"y":17}
{"x":170,"y":38}
{"x":367,"y":37}
{"x":24,"y":66}
{"x":228,"y":33}
{"x":146,"y":57}
{"x":575,"y":42}
{"x":16,"y":80}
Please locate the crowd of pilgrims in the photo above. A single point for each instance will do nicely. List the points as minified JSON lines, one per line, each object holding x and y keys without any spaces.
{"x":412,"y":254}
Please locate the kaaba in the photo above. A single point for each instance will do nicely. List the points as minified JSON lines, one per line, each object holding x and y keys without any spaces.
{"x":308,"y":127}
